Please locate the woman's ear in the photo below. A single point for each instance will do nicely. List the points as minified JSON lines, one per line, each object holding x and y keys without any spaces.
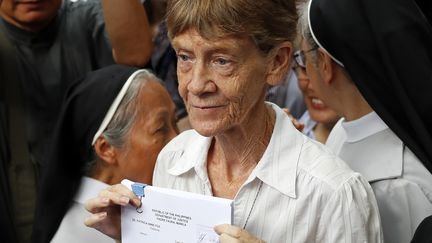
{"x":280,"y":63}
{"x":105,"y":151}
{"x":326,"y":66}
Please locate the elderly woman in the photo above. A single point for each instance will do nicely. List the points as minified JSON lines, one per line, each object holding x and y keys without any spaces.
{"x":114,"y":123}
{"x":285,"y":187}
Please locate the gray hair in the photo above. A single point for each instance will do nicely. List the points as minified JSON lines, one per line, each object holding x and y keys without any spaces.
{"x":304,"y":31}
{"x":268,"y":22}
{"x":125,"y":115}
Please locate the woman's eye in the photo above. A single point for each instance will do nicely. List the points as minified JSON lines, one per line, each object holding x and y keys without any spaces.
{"x":183,"y":57}
{"x":221,"y":61}
{"x":162,"y":128}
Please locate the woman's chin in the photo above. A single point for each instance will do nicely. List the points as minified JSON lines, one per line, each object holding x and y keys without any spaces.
{"x":207,"y":129}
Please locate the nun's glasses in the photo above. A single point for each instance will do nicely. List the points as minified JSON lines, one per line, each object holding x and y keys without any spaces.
{"x":299,"y":57}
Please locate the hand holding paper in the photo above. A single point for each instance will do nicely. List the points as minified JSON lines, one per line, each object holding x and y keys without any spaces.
{"x":105,"y":209}
{"x":174,"y":216}
{"x":232,"y":234}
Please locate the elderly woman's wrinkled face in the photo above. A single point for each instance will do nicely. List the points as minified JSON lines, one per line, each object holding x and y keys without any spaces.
{"x":220,"y":80}
{"x":154,"y":127}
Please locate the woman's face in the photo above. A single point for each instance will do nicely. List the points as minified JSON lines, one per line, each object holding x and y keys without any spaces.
{"x":220,"y":80}
{"x":154,"y":127}
{"x":318,"y":111}
{"x":311,"y":84}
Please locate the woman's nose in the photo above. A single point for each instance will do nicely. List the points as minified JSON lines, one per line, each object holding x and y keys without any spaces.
{"x":201,"y":81}
{"x":302,"y":78}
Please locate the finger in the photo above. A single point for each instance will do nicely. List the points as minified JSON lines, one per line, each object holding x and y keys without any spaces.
{"x":298,"y":125}
{"x":94,"y":205}
{"x":94,"y":219}
{"x":230,"y":230}
{"x":286,"y":110}
{"x":225,"y":238}
{"x":124,"y":191}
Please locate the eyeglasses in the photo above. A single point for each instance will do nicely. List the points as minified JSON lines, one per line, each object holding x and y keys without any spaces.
{"x":299,"y":57}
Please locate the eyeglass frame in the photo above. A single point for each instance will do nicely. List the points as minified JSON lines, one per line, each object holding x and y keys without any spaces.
{"x":299,"y":57}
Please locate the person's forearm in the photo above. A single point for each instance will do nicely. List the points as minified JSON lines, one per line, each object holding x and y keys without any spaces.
{"x":129,"y":32}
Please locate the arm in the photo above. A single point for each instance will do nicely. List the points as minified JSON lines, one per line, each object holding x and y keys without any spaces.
{"x":352,"y":213}
{"x":129,"y":31}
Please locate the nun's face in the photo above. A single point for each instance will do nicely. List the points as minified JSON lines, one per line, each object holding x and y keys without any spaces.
{"x":318,"y":110}
{"x":220,"y":80}
{"x":154,"y":127}
{"x":315,"y":90}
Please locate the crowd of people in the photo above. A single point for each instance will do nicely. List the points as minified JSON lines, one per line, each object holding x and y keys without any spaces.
{"x":313,"y":116}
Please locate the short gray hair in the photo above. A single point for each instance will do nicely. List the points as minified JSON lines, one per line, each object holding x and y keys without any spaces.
{"x":268,"y":22}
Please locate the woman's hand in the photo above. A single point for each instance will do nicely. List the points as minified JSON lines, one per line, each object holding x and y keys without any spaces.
{"x":105,"y":209}
{"x":233,"y":234}
{"x":295,"y":122}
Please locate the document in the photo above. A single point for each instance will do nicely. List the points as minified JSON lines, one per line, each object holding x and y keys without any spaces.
{"x":168,"y":215}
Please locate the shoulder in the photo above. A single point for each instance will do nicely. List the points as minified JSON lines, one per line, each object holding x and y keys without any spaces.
{"x":342,"y":195}
{"x":322,"y":165}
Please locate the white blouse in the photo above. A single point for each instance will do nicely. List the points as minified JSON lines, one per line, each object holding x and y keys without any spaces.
{"x":307,"y":193}
{"x":402,"y":185}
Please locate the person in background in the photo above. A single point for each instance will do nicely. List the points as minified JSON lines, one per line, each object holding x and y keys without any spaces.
{"x":54,"y":42}
{"x":319,"y":119}
{"x":164,"y":60}
{"x":288,"y":95}
{"x":127,"y":119}
{"x":285,"y":187}
{"x":377,"y":76}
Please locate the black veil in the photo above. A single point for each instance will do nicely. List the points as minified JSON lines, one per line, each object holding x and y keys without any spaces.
{"x":386,"y":47}
{"x":83,"y":110}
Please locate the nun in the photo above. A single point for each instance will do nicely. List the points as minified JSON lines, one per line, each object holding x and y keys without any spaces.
{"x":113,"y":124}
{"x":372,"y":62}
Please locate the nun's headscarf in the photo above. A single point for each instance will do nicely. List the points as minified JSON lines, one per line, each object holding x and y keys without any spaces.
{"x":386,"y":47}
{"x":87,"y":109}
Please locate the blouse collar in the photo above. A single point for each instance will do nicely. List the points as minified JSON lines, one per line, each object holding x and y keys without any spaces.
{"x":277,"y":168}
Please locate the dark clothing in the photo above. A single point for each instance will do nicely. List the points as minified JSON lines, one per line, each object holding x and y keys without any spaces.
{"x":6,"y":219}
{"x":47,"y":62}
{"x":74,"y":44}
{"x":18,"y":173}
{"x":423,"y":232}
{"x":85,"y":106}
{"x":386,"y":48}
{"x":164,"y":65}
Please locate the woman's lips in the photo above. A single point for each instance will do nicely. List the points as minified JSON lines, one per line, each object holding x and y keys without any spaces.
{"x":208,"y":107}
{"x":317,"y":103}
